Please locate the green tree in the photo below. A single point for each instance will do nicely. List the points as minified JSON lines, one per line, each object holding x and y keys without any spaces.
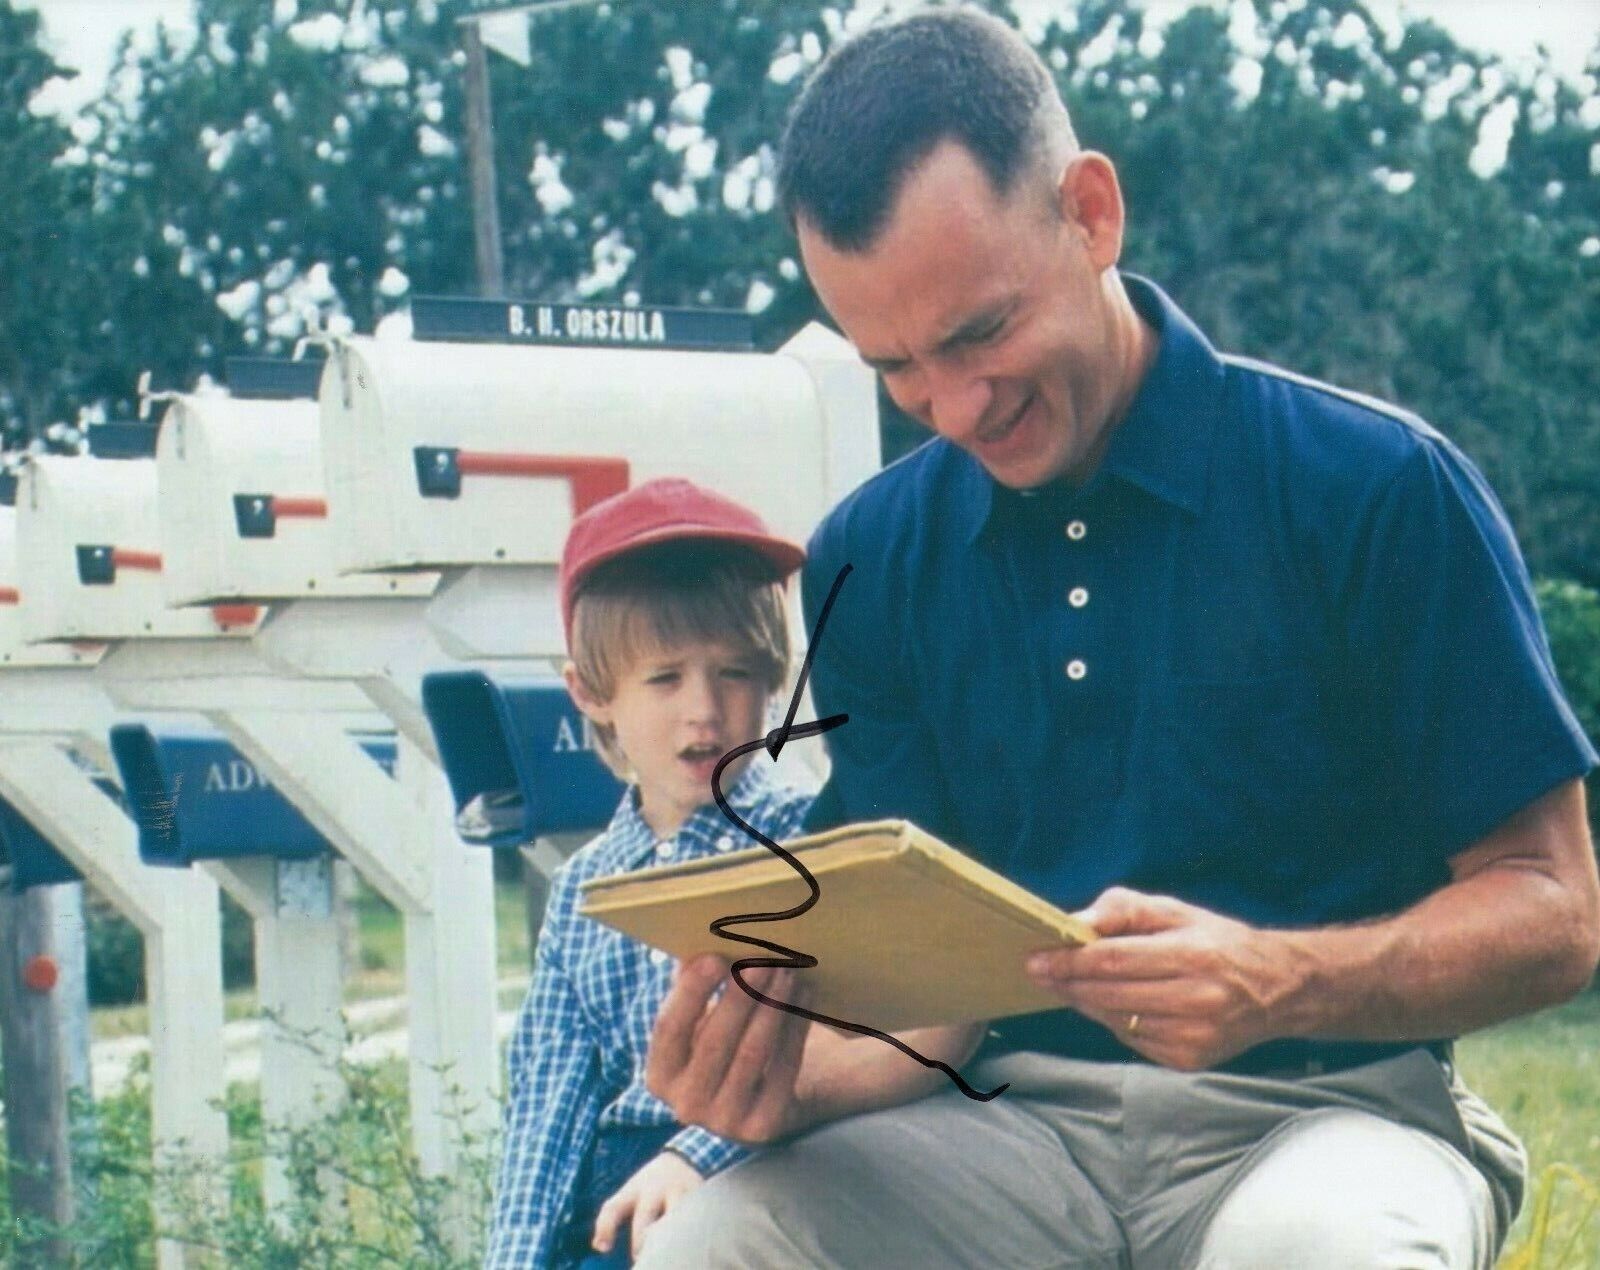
{"x":263,"y":178}
{"x":1317,"y":192}
{"x":1317,"y":189}
{"x":41,"y":347}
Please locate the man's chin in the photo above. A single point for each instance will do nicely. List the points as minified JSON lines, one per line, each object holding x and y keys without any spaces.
{"x":1021,"y":473}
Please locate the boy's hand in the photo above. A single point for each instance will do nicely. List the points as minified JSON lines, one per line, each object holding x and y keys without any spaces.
{"x":645,"y":1197}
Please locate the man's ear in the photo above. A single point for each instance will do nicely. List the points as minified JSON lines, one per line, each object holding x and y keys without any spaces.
{"x":1091,"y":203}
{"x":597,"y":711}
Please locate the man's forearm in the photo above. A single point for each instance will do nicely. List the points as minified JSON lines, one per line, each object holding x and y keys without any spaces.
{"x":846,"y":1075}
{"x":1508,"y":935}
{"x":1517,"y":928}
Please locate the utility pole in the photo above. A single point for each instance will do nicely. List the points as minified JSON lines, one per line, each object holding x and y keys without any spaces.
{"x":480,"y":156}
{"x":491,"y":260}
{"x":480,"y":133}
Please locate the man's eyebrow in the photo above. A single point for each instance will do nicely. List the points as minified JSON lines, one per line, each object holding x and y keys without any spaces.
{"x":974,"y":327}
{"x":979,"y":324}
{"x":883,"y":364}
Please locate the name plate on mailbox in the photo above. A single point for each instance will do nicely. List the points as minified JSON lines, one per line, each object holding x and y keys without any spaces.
{"x":519,"y":757}
{"x":195,"y":797}
{"x":596,"y":325}
{"x":274,"y":378}
{"x":33,"y":861}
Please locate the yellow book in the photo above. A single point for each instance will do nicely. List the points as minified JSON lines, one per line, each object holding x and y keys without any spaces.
{"x":908,"y":932}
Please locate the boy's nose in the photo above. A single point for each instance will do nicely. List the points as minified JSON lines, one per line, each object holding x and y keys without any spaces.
{"x":703,"y":700}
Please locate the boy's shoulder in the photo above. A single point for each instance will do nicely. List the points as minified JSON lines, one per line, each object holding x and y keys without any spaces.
{"x":775,"y":806}
{"x":770,"y":803}
{"x":607,"y":852}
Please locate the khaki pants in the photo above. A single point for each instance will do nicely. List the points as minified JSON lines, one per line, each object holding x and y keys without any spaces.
{"x":1394,"y":1164}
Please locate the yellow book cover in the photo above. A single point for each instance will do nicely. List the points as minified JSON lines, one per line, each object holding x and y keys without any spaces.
{"x":907,"y":932}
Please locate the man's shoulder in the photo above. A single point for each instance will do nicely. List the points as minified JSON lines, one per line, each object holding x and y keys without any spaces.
{"x":1288,"y":399}
{"x":1324,"y":440}
{"x":895,"y":505}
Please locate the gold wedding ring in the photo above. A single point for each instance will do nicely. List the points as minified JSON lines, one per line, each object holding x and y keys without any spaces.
{"x":1133,"y":1024}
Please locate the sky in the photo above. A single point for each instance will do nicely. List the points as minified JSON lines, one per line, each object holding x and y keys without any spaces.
{"x":84,"y":33}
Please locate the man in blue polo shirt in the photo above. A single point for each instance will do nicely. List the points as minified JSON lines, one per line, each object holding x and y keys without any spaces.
{"x":1244,"y":666}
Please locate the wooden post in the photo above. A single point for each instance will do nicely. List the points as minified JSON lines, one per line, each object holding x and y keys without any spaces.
{"x":72,"y":993}
{"x":176,"y":912}
{"x":480,"y":157}
{"x":300,"y":990}
{"x":31,"y":1043}
{"x":399,"y":834}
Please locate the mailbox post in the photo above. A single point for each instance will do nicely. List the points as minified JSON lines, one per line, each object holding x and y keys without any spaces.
{"x":243,"y":515}
{"x":188,"y":660}
{"x":53,"y":705}
{"x":33,"y":1043}
{"x":196,"y":800}
{"x":233,"y":515}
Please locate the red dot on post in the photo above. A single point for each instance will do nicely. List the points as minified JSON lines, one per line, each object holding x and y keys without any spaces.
{"x":40,"y":973}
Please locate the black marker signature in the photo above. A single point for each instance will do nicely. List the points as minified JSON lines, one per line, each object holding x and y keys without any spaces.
{"x":789,"y":958}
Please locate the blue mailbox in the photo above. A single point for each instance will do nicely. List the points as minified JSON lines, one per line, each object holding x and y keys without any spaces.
{"x":195,"y":797}
{"x":519,"y":756}
{"x":34,"y":862}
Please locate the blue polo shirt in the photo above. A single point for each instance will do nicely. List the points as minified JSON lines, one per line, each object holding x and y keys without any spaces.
{"x":1278,"y":656}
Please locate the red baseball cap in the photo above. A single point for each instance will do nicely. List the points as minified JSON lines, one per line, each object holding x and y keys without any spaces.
{"x":667,"y":509}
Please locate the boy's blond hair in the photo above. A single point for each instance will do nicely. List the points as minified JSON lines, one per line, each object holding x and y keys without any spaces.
{"x":666,"y":596}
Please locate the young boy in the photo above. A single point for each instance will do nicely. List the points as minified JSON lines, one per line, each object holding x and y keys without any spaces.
{"x":673,"y":603}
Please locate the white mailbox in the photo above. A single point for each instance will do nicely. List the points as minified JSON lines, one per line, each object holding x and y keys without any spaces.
{"x":89,"y":561}
{"x":14,"y":648}
{"x":243,"y":511}
{"x":450,"y":454}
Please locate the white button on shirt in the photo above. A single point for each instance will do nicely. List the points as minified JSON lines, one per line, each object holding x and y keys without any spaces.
{"x":666,"y":848}
{"x":1078,"y":597}
{"x":658,"y":956}
{"x":1076,"y":668}
{"x":1076,"y":530}
{"x":725,"y":843}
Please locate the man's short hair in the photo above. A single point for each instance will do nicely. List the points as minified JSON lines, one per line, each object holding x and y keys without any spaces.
{"x":667,"y":596}
{"x":881,"y":102}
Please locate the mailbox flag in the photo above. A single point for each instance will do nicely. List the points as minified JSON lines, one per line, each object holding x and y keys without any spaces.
{"x":507,"y":35}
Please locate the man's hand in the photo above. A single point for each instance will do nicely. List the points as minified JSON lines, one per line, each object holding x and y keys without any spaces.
{"x":729,"y":1067}
{"x":646,"y":1197}
{"x":1185,"y":987}
{"x":754,"y":1075}
{"x":1515,"y":929}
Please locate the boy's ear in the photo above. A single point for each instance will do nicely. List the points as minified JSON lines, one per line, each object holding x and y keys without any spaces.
{"x":581,"y":697}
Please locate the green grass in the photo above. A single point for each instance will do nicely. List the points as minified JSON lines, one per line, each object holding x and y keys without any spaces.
{"x":383,"y":955}
{"x":107,"y":1021}
{"x":381,"y":971}
{"x":1542,"y":1073}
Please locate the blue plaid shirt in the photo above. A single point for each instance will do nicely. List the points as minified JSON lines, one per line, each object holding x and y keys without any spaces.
{"x":576,"y":1061}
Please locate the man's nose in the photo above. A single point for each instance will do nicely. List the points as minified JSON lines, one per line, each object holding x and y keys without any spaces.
{"x":956,"y":403}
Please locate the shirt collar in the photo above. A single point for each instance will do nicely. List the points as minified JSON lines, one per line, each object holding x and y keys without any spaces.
{"x":1163,"y":444}
{"x":636,"y":840}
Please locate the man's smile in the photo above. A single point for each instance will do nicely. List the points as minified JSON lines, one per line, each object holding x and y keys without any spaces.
{"x":996,"y":435}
